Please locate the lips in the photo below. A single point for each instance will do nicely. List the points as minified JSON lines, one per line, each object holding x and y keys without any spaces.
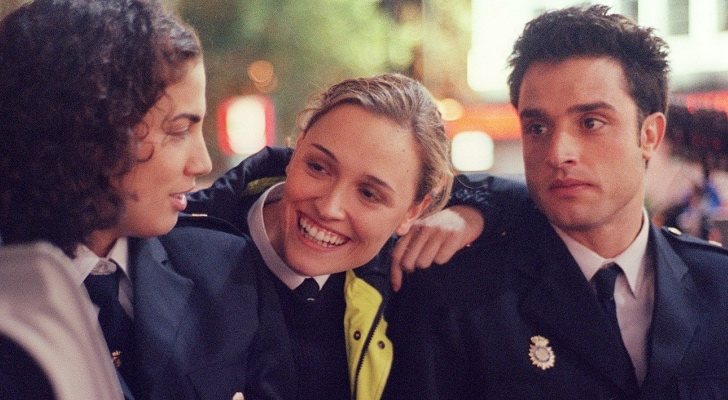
{"x":319,"y":235}
{"x":568,"y":184}
{"x":568,"y":187}
{"x":179,"y":200}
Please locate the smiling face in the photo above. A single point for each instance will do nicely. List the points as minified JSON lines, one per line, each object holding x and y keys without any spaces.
{"x":585,"y":150}
{"x":173,"y":153}
{"x":351,"y":184}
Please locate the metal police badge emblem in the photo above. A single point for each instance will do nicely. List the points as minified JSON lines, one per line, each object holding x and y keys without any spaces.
{"x":116,"y":358}
{"x":540,"y":353}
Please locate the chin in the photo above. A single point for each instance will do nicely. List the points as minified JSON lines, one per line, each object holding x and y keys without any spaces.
{"x":315,"y":268}
{"x":162,"y":228}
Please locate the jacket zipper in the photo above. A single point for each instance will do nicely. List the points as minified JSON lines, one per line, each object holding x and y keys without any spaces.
{"x":367,"y":341}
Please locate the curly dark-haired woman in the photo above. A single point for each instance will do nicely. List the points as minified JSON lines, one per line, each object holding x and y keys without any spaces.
{"x":101,"y":111}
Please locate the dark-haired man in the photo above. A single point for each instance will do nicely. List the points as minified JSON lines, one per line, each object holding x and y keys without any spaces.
{"x":584,"y":299}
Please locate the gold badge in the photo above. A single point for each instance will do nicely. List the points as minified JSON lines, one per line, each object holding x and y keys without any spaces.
{"x":116,"y":358}
{"x":540,"y":353}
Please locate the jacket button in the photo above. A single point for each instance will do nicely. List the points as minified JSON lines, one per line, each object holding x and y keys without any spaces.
{"x":357,"y":335}
{"x":380,"y":344}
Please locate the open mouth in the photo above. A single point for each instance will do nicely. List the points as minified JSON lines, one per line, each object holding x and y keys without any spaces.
{"x":320,"y":236}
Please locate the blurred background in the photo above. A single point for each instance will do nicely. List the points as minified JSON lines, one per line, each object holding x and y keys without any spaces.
{"x":265,"y":58}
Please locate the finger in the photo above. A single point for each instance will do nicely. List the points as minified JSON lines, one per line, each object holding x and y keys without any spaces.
{"x":414,"y":248}
{"x":446,"y":251}
{"x":398,"y":251}
{"x":429,"y":250}
{"x":395,"y":277}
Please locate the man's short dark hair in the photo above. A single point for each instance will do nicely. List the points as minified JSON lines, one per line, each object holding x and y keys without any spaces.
{"x":593,"y":32}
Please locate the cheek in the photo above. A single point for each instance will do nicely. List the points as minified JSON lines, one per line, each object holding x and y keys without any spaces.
{"x":380,"y":225}
{"x":299,"y":187}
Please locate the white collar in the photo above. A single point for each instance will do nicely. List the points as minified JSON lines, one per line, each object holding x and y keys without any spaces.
{"x":256,"y":225}
{"x":86,"y":259}
{"x":632,"y":260}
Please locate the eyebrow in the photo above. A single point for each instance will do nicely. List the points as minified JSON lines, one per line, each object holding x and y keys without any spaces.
{"x":371,"y":178}
{"x":579,"y":108}
{"x":194,"y":118}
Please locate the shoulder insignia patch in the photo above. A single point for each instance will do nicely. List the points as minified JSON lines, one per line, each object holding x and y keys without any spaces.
{"x":676,"y":235}
{"x":259,"y":186}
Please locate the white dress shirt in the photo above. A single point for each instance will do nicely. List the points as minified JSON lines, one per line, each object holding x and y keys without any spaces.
{"x":86,"y":260}
{"x":42,"y":310}
{"x":634,"y":290}
{"x":258,"y":233}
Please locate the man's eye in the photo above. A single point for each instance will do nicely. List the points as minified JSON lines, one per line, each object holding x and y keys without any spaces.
{"x":592,"y":123}
{"x":535,"y":129}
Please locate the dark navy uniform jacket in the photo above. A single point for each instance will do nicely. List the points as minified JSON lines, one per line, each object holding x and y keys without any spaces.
{"x":515,"y":318}
{"x":200,"y":319}
{"x":201,"y":325}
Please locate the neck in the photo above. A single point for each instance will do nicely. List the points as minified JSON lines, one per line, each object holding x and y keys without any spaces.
{"x":271,"y":221}
{"x":612,"y":238}
{"x":101,"y":242}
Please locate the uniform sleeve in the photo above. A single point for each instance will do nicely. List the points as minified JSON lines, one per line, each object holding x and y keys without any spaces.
{"x":229,"y":196}
{"x":503,"y":202}
{"x":427,"y":344}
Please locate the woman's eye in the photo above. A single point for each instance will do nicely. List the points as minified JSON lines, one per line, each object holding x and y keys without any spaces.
{"x":315,"y":167}
{"x":180,"y":131}
{"x":369,"y":195}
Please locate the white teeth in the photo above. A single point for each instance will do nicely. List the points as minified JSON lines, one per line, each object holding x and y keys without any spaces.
{"x":324,"y":238}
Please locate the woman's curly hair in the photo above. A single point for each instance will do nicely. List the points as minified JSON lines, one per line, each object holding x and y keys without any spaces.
{"x":77,"y":78}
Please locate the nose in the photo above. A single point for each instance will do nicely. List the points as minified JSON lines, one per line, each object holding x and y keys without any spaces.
{"x":332,"y":204}
{"x":199,"y":162}
{"x":562,"y":148}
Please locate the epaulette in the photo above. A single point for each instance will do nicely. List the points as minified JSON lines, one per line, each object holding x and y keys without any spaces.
{"x":207,"y":222}
{"x":677,"y":235}
{"x":259,"y":186}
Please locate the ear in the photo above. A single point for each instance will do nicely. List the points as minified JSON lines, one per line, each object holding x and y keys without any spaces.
{"x":413,"y":214}
{"x":652,"y":133}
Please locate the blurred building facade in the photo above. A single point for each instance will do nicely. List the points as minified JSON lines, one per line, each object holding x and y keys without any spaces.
{"x":696,"y":31}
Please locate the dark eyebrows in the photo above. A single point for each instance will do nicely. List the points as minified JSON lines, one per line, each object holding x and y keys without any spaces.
{"x":194,"y":118}
{"x":532,"y":113}
{"x":324,"y":150}
{"x":369,"y":178}
{"x":599,"y":105}
{"x":579,"y":108}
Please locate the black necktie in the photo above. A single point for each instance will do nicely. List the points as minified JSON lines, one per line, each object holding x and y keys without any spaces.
{"x":604,"y":281}
{"x":308,"y":290}
{"x":115,"y":323}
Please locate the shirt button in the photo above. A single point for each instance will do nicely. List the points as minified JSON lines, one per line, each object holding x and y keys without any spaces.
{"x":380,"y":344}
{"x":357,"y":335}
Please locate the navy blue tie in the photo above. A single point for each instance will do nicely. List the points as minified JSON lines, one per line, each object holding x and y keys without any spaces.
{"x":308,"y":290}
{"x":604,"y":281}
{"x":115,"y":323}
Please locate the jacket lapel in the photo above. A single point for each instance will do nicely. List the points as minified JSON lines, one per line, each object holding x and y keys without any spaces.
{"x":160,"y":299}
{"x":676,"y":314}
{"x":563,"y":303}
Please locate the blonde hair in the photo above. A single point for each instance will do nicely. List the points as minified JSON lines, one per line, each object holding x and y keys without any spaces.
{"x":406,"y":102}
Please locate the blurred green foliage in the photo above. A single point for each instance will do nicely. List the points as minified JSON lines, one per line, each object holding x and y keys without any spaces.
{"x":314,"y":43}
{"x":310,"y":43}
